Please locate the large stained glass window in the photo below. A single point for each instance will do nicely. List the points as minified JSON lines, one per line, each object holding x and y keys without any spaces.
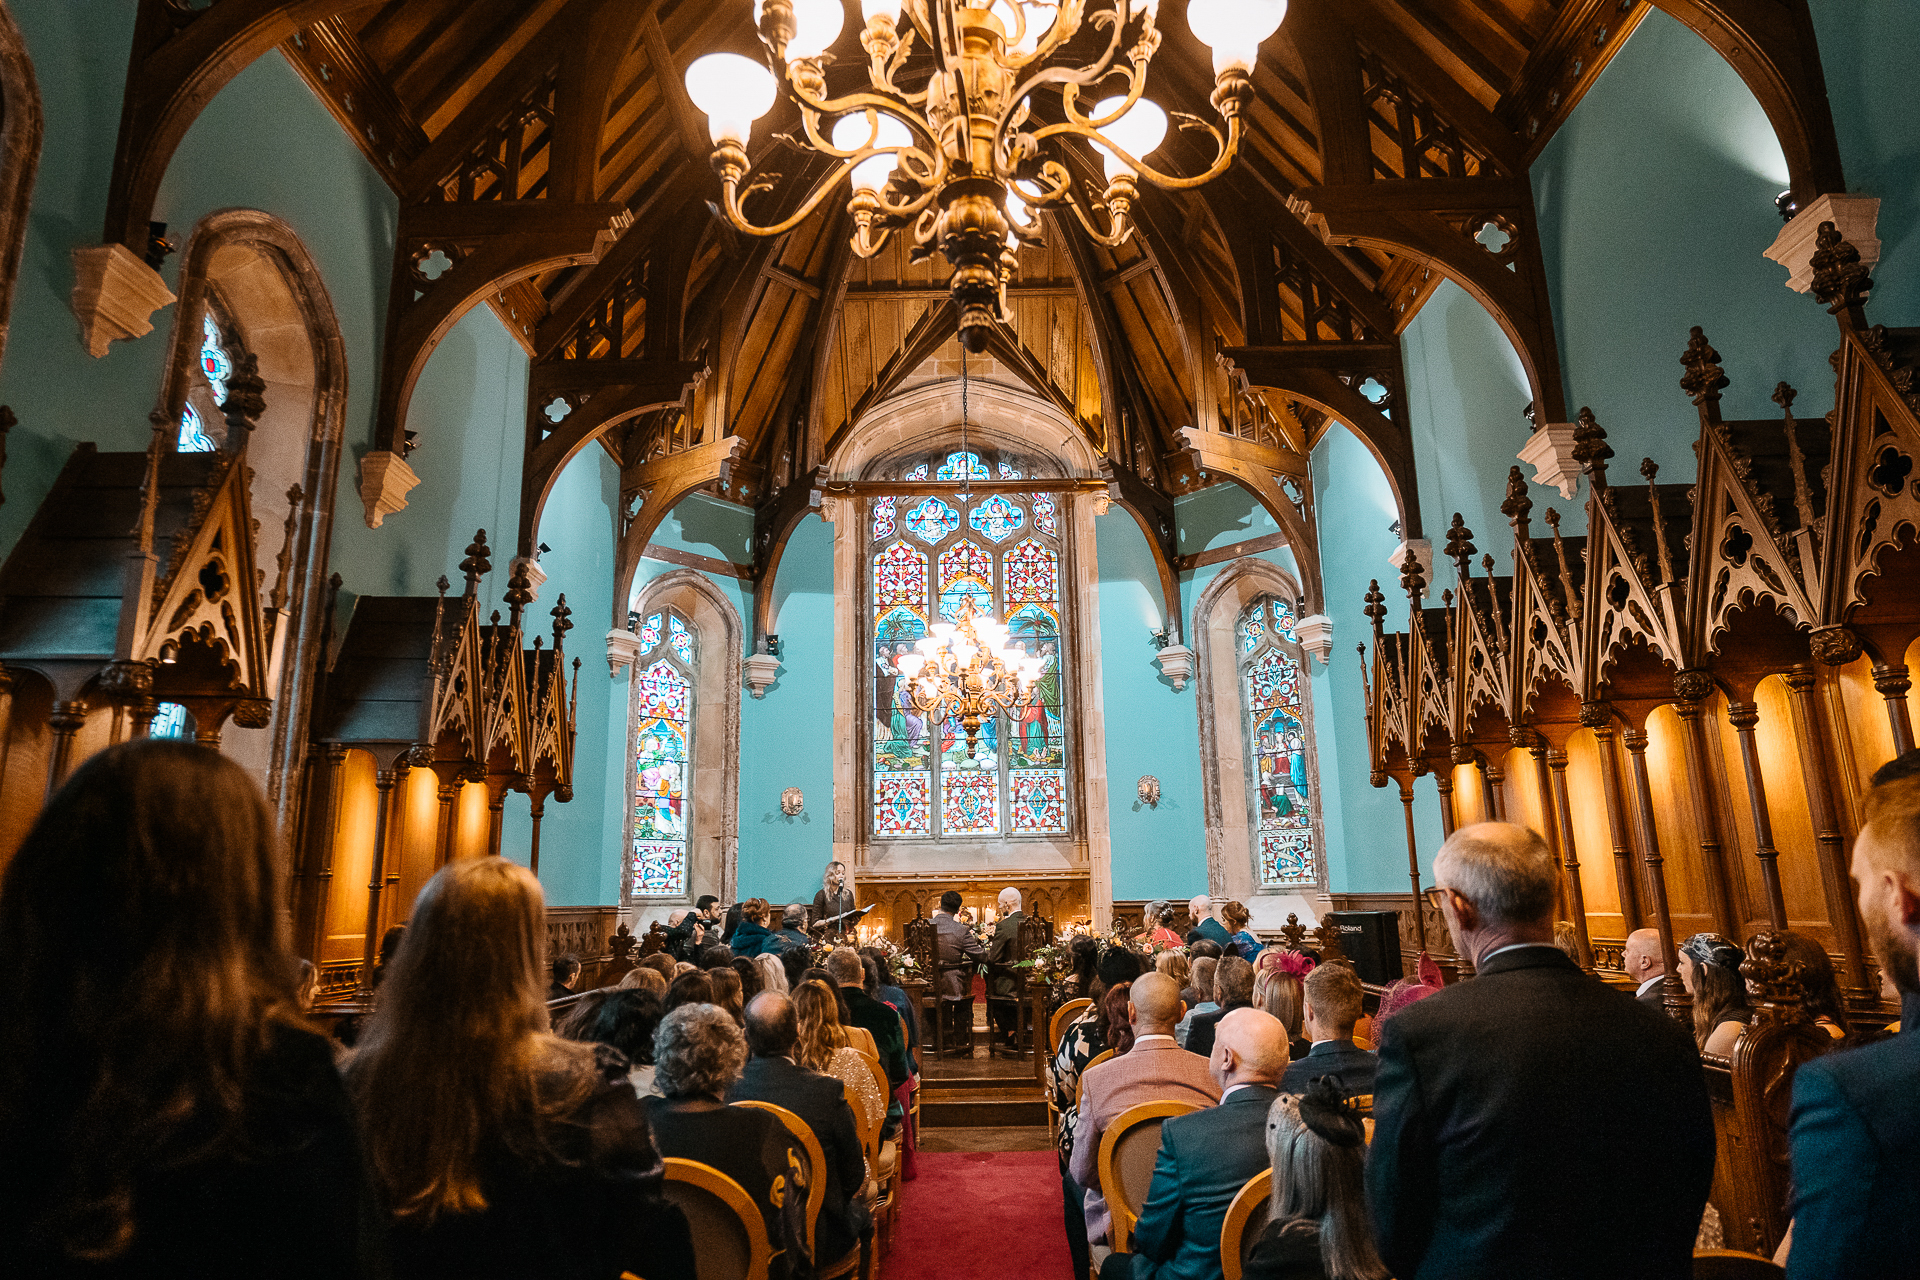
{"x":934,"y":557}
{"x":1273,"y":682}
{"x":662,"y":720}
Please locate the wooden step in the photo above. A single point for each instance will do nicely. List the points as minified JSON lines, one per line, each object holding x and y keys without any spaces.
{"x":984,"y":1108}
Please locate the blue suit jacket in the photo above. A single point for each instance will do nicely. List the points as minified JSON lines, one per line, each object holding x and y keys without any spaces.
{"x":1856,"y":1163}
{"x":1204,"y":1160}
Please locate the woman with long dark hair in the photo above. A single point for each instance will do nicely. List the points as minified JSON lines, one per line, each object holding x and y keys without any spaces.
{"x":1710,"y":968}
{"x":503,"y":1149}
{"x":164,"y":1110}
{"x":1318,"y":1229}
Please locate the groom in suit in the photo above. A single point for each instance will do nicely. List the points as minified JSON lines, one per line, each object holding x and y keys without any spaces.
{"x":955,"y":945}
{"x":1207,"y":1156}
{"x":1002,"y":953}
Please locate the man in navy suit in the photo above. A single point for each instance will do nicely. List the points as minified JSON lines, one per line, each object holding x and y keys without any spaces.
{"x":1330,"y":1010}
{"x":1856,"y":1114}
{"x":1206,"y":1157}
{"x":1533,"y":1121}
{"x":1200,"y":911}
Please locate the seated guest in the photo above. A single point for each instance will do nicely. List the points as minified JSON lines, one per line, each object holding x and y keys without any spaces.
{"x":772,"y":975}
{"x":792,"y":932}
{"x":1205,"y":927}
{"x":1823,"y":1000}
{"x":859,"y":1037}
{"x":1205,"y":948}
{"x":570,"y":1021}
{"x":1155,"y":1069}
{"x":164,"y":1110}
{"x":1236,"y":917}
{"x":1333,"y":1004}
{"x":642,"y":978}
{"x":664,"y":965}
{"x":1645,"y":967}
{"x":1083,"y":954}
{"x":1710,"y":968}
{"x":772,"y":1075}
{"x":718,"y":956}
{"x":1002,"y":986}
{"x":1198,"y":996}
{"x":1232,"y":989}
{"x":752,"y":937}
{"x":1206,"y":1157}
{"x":821,"y":1045}
{"x":843,"y":965}
{"x":1278,"y":975}
{"x":1158,"y":921}
{"x":1533,"y":1121}
{"x":796,"y":962}
{"x":627,"y":1021}
{"x":689,"y":988}
{"x":1116,"y":1028}
{"x":698,"y":1054}
{"x":727,"y":993}
{"x":1317,"y":1227}
{"x":1081,"y":1042}
{"x":1400,"y":993}
{"x":749,"y":974}
{"x":1856,"y":1114}
{"x":888,"y":992}
{"x":566,"y":973}
{"x":503,"y":1150}
{"x":1174,"y":965}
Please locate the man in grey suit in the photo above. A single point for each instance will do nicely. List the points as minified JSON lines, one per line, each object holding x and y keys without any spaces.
{"x":1206,"y":1157}
{"x":954,"y":944}
{"x":1003,"y":952}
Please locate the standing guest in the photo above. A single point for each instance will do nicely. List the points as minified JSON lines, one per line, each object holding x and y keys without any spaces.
{"x":727,"y":993}
{"x":752,"y":936}
{"x":1533,"y":1121}
{"x":698,"y":1054}
{"x":771,"y":973}
{"x":1205,"y":927}
{"x":1003,"y":987}
{"x":955,"y":951}
{"x":1198,"y":997}
{"x":566,"y":974}
{"x":1206,"y":1157}
{"x":164,"y":1110}
{"x":1240,"y":939}
{"x":1155,"y":1069}
{"x":772,"y":1075}
{"x":835,"y":898}
{"x":1081,"y":1042}
{"x":822,"y":1046}
{"x":627,"y":1021}
{"x":1710,"y":970}
{"x":1232,"y":989}
{"x":1645,"y":967}
{"x":1158,"y":920}
{"x":503,"y":1150}
{"x":792,"y":932}
{"x":1317,"y":1228}
{"x":694,"y":987}
{"x":844,"y":967}
{"x":686,"y":934}
{"x":1333,"y":1003}
{"x":1856,"y":1115}
{"x":1278,"y":976}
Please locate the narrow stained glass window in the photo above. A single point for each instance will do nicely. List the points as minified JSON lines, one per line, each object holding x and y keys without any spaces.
{"x":1280,"y":765}
{"x":662,"y":717}
{"x":193,"y":437}
{"x":170,"y":721}
{"x":215,"y":363}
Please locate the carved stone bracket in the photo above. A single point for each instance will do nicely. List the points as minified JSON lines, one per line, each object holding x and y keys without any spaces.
{"x":1549,"y":451}
{"x":1176,"y":664}
{"x":385,"y":481}
{"x":1316,"y":635}
{"x":1835,"y":646}
{"x":623,"y":650}
{"x":760,"y":670}
{"x":1854,"y":216}
{"x":114,"y":293}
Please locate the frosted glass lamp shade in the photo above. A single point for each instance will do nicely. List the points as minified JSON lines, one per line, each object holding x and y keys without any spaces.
{"x":816,"y":25}
{"x":850,"y":133}
{"x":733,"y":91}
{"x":888,"y":9}
{"x":1233,"y":29}
{"x":1138,"y":132}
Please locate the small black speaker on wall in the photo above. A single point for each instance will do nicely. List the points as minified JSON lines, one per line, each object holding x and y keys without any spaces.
{"x":1371,"y":939}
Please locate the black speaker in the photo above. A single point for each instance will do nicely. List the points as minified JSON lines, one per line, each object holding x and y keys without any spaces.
{"x":1371,"y":939}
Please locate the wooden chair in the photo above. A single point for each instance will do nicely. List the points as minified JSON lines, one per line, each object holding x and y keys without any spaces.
{"x":1246,"y":1219}
{"x":921,"y":941}
{"x":1057,"y":1029}
{"x":729,"y":1235}
{"x":1080,"y":1086}
{"x":886,"y":1168}
{"x":1127,"y":1151}
{"x":813,"y":1178}
{"x":1730,"y":1264}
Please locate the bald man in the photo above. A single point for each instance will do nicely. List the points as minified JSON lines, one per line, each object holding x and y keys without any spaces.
{"x":1200,"y":911}
{"x":1534,"y":1121}
{"x":1205,"y":1158}
{"x":1646,"y":967}
{"x":1155,"y":1070}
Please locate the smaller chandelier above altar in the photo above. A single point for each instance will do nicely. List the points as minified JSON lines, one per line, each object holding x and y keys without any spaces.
{"x":968,"y":671}
{"x":965,"y":161}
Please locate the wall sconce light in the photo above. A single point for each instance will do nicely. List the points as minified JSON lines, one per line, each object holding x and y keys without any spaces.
{"x":792,"y":801}
{"x":1150,"y":791}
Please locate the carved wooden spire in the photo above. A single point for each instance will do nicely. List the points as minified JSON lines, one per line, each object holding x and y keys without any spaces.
{"x":477,"y":565}
{"x":1590,"y":448}
{"x":1567,"y":584}
{"x":1376,"y":607}
{"x":1704,"y":378}
{"x":1784,"y":396}
{"x":1413,"y":580}
{"x":1840,"y":279}
{"x":245,"y":402}
{"x":1460,"y":546}
{"x":1519,"y":506}
{"x":519,"y":591}
{"x":1493,"y":595}
{"x":1651,"y":470}
{"x":562,"y":621}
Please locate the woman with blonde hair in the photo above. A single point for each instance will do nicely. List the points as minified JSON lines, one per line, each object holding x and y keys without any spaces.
{"x":823,"y":1046}
{"x":164,"y":1109}
{"x":1175,"y":966}
{"x":503,"y":1150}
{"x":835,"y":898}
{"x":1317,"y":1227}
{"x":1279,"y":988}
{"x":773,"y":974}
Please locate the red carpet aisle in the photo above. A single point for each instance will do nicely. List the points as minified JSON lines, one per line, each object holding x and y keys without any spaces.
{"x":981,"y":1216}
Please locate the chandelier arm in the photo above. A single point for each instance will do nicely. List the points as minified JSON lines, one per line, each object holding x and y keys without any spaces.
{"x":916,"y":11}
{"x":730,"y":203}
{"x":1059,"y":34}
{"x":1090,"y":73}
{"x":1121,"y":233}
{"x":894,"y":104}
{"x":1229,"y":147}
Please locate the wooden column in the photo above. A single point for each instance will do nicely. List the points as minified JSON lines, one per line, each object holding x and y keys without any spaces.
{"x":1706,"y":815}
{"x":448,"y":793}
{"x":1576,"y":896}
{"x":1842,"y":910}
{"x":1743,"y":716}
{"x":384,"y":780}
{"x":1496,"y":773}
{"x":326,"y":831}
{"x":1624,"y":880}
{"x":1443,"y":783}
{"x":1562,"y":907}
{"x":496,"y":815}
{"x":1890,"y":679}
{"x":1673,"y":992}
{"x":65,"y":721}
{"x":1413,"y":857}
{"x":539,"y":810}
{"x":6,"y":685}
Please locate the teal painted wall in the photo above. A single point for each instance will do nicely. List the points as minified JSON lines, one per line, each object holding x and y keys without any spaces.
{"x":708,"y":527}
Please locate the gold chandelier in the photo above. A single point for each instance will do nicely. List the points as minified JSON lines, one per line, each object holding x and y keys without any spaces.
{"x":962,"y":161}
{"x":968,"y":671}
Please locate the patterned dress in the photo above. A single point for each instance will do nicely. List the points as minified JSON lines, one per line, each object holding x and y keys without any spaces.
{"x":1079,"y":1046}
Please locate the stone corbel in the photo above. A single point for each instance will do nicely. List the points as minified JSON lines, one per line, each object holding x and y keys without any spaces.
{"x":114,"y":293}
{"x":1316,"y":635}
{"x":385,"y":481}
{"x":760,"y":670}
{"x":1421,"y":550}
{"x":623,"y":650}
{"x":1176,"y":664}
{"x":1853,"y":216}
{"x":1549,"y":451}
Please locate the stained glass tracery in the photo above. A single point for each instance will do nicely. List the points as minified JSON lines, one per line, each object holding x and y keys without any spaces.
{"x":662,"y":717}
{"x":1274,"y":685}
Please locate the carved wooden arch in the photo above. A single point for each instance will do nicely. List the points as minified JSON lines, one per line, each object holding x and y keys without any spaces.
{"x":21,"y":129}
{"x":1243,"y":464}
{"x":716,"y":734}
{"x":663,"y":483}
{"x":268,"y":283}
{"x":1216,"y":614}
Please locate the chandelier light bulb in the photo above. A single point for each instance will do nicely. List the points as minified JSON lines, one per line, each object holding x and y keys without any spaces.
{"x":816,"y":25}
{"x":871,"y":9}
{"x":1138,"y":132}
{"x":1233,"y":29}
{"x":733,"y":91}
{"x":1040,"y":15}
{"x":851,"y":132}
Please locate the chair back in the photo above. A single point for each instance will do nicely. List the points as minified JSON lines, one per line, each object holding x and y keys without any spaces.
{"x":1080,"y":1093}
{"x":1127,"y":1151}
{"x":729,"y":1235}
{"x":918,"y":938}
{"x":1246,"y":1218}
{"x":1062,"y":1019}
{"x":1733,"y":1264}
{"x":813,"y":1175}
